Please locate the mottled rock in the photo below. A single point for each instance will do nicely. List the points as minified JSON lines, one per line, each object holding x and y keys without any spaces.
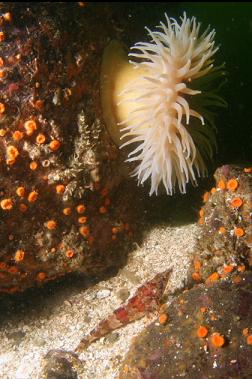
{"x":61,"y":209}
{"x":208,"y":335}
{"x":225,"y":220}
{"x":58,"y":365}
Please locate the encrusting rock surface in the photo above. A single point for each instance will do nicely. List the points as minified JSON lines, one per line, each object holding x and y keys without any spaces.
{"x":225,"y":218}
{"x":61,"y":207}
{"x":208,"y":334}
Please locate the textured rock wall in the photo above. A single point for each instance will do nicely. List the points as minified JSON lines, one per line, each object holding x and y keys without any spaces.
{"x":60,"y":206}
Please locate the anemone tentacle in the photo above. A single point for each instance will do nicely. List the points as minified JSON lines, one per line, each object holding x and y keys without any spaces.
{"x":160,"y":123}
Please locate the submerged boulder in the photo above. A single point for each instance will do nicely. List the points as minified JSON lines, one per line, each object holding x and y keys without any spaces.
{"x":61,"y":207}
{"x":226,"y":232}
{"x":207,"y":334}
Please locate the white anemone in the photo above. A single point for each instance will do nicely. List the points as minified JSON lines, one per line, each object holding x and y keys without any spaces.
{"x":156,"y":108}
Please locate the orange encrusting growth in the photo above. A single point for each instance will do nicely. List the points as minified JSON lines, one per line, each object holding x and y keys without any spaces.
{"x":245,"y":332}
{"x":80,"y":208}
{"x":217,"y":340}
{"x":82,"y":220}
{"x":20,"y":191}
{"x":163,"y":318}
{"x":17,"y":135}
{"x":221,"y":185}
{"x":241,"y":268}
{"x":67,"y":211}
{"x":196,"y":276}
{"x":115,"y":230}
{"x":249,"y":339}
{"x":222,"y":230}
{"x":84,"y":231}
{"x":30,"y":127}
{"x":3,"y":132}
{"x":232,"y":184}
{"x":7,"y":16}
{"x":12,"y":152}
{"x":248,"y":170}
{"x":2,"y":36}
{"x":60,"y":188}
{"x":40,"y":139}
{"x":6,"y":204}
{"x":2,"y":108}
{"x":19,"y":255}
{"x":227,"y":269}
{"x":202,"y":332}
{"x":201,"y":221}
{"x":54,"y":145}
{"x":206,"y":197}
{"x":236,"y":202}
{"x":201,"y":212}
{"x":2,"y":74}
{"x":239,"y":232}
{"x":213,"y":277}
{"x":213,"y":190}
{"x":51,"y":224}
{"x":41,"y":276}
{"x":197,"y":265}
{"x":32,"y":197}
{"x":69,"y":253}
{"x":33,"y":165}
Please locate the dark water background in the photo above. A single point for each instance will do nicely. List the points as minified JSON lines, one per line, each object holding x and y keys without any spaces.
{"x":233,"y":24}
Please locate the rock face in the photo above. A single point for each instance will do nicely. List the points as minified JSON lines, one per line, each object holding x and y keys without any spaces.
{"x":60,"y":206}
{"x":226,"y":224}
{"x":59,"y":366}
{"x":207,"y":335}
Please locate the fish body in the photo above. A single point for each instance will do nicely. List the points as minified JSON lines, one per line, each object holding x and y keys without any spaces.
{"x":146,"y":299}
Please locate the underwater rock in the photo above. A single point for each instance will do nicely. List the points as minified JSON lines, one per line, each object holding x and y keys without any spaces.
{"x":207,"y":334}
{"x":226,"y":229}
{"x":61,"y":209}
{"x":59,"y":366}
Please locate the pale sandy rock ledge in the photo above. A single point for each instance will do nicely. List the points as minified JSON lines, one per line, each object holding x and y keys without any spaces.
{"x":57,"y":316}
